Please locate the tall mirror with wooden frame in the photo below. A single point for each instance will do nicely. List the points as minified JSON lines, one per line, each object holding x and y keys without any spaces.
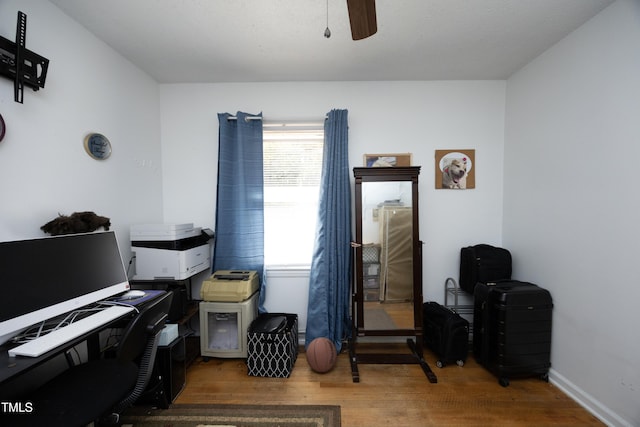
{"x":387,"y":293}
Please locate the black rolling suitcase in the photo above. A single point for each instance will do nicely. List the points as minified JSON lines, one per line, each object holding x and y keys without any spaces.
{"x":512,"y":329}
{"x":483,"y":263}
{"x":446,"y":333}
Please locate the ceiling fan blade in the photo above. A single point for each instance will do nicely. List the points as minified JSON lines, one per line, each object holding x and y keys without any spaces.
{"x":362,"y":15}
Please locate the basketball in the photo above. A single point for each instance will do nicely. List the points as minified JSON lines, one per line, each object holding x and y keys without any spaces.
{"x":321,"y":355}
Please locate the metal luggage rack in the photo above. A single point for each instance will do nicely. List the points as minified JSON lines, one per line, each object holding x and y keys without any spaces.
{"x":465,"y":309}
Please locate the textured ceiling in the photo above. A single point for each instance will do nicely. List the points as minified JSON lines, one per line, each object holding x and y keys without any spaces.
{"x":282,"y":40}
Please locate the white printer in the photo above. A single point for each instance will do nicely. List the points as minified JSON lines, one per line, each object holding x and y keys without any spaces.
{"x":170,"y":251}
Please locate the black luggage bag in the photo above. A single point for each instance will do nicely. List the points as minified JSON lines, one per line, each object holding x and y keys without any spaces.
{"x":446,"y":333}
{"x":483,"y":263}
{"x":512,"y":329}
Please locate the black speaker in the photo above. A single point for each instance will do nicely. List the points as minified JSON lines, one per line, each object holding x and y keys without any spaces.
{"x":172,"y":367}
{"x":168,"y":377}
{"x":179,"y":303}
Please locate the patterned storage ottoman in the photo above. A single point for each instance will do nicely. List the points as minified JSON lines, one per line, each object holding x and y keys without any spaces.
{"x":272,"y":345}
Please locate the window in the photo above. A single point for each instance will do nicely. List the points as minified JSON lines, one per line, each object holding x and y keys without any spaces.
{"x":292,"y":168}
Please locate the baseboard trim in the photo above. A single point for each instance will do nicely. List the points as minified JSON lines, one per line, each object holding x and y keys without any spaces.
{"x":584,"y":399}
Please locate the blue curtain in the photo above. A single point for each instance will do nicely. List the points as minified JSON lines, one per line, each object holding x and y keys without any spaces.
{"x":329,"y":283}
{"x":239,"y":243}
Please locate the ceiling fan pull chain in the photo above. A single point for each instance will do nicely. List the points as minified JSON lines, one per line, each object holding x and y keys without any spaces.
{"x":327,"y":31}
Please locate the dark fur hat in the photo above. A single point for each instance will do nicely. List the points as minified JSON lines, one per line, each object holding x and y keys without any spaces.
{"x":77,"y":222}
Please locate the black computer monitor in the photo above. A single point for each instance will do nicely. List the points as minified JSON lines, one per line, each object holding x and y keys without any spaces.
{"x":46,"y":277}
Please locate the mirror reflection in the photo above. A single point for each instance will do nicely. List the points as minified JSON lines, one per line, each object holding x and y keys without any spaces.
{"x":387,"y":254}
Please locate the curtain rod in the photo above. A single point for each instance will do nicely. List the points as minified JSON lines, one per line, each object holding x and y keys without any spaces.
{"x":247,"y":118}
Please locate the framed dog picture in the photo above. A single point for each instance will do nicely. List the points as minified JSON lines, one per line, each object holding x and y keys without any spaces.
{"x":455,"y":169}
{"x":387,"y":160}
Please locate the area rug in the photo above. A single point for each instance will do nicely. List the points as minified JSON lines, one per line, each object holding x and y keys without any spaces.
{"x":198,"y":415}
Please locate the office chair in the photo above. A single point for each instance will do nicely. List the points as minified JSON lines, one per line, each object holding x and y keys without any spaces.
{"x":99,"y":390}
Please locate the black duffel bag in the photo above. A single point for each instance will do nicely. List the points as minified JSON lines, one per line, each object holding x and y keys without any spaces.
{"x":483,"y":263}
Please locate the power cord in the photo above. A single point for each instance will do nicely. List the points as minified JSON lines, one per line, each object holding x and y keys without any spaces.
{"x":129,"y":266}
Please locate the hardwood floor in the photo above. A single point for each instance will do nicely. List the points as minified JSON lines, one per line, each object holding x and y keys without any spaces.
{"x":392,"y":395}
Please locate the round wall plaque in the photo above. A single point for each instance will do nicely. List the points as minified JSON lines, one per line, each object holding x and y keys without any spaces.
{"x":97,"y":146}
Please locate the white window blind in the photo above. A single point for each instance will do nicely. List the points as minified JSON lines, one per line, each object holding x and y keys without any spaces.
{"x":292,"y":168}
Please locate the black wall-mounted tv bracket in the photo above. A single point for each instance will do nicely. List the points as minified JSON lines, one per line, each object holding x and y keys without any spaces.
{"x":21,"y":65}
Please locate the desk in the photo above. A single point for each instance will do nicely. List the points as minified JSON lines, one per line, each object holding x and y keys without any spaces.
{"x":181,"y":294}
{"x":11,"y":368}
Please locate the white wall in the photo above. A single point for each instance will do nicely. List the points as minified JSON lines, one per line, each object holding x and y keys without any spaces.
{"x":571,"y":204}
{"x":569,"y":209}
{"x":44,"y":169}
{"x":415,"y":117}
